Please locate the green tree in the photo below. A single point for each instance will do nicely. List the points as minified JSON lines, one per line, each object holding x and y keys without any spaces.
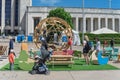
{"x":61,"y":13}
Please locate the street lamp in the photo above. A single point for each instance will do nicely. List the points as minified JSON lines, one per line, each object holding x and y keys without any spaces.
{"x":83,"y":15}
{"x":110,"y":3}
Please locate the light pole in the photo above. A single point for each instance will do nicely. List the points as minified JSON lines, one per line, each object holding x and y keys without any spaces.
{"x":83,"y":15}
{"x":110,"y":4}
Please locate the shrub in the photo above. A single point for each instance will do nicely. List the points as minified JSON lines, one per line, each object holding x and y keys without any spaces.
{"x":103,"y":37}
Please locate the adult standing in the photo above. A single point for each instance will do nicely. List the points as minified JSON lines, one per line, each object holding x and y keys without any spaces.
{"x":98,"y":45}
{"x":85,"y":49}
{"x":44,"y":49}
{"x":112,"y":43}
{"x":11,"y":45}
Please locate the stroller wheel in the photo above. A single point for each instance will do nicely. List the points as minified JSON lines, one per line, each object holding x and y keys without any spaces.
{"x":47,"y":72}
{"x":33,"y":72}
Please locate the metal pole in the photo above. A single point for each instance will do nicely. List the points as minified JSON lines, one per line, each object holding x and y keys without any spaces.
{"x":110,"y":4}
{"x":83,"y":20}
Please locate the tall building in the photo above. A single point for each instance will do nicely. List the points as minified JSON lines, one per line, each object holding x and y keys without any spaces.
{"x":12,"y":15}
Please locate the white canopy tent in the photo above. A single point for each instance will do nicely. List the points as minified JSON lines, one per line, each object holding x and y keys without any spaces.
{"x":104,"y":31}
{"x":76,"y":38}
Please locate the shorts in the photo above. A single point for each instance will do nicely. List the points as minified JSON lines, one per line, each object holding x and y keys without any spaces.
{"x":85,"y":50}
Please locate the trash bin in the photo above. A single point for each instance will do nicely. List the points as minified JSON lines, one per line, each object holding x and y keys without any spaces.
{"x":18,"y":38}
{"x":22,"y":38}
{"x":30,"y":38}
{"x":64,"y":39}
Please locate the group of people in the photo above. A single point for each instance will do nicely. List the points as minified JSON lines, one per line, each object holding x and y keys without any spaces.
{"x":44,"y":48}
{"x":86,"y":48}
{"x":97,"y":47}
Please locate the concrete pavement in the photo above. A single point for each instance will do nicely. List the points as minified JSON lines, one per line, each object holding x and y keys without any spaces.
{"x":62,"y":75}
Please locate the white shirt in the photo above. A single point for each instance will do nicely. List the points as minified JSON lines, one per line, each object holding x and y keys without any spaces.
{"x":98,"y":45}
{"x":84,"y":43}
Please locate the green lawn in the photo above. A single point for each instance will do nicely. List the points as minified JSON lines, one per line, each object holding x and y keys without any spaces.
{"x":78,"y":65}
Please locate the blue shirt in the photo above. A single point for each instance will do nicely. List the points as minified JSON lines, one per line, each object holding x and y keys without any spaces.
{"x":11,"y":44}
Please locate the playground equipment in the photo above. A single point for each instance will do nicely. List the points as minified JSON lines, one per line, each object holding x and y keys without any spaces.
{"x":24,"y":46}
{"x":48,"y":27}
{"x":102,"y":60}
{"x":99,"y":59}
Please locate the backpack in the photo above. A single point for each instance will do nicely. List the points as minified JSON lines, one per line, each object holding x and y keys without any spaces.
{"x":88,"y":46}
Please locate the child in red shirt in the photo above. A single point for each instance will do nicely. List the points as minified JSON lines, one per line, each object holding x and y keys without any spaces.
{"x":70,"y":42}
{"x":11,"y":59}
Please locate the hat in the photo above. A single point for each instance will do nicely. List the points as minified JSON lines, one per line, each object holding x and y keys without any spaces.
{"x":11,"y":50}
{"x":31,"y":49}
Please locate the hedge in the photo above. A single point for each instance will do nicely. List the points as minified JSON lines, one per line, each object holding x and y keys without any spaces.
{"x":103,"y":37}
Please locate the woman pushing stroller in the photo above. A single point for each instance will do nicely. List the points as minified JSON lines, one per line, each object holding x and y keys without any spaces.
{"x":39,"y":65}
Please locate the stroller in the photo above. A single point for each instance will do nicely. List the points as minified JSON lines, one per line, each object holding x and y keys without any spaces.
{"x":39,"y":65}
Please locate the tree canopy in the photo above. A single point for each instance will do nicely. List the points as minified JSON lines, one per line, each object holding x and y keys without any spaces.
{"x":61,"y":13}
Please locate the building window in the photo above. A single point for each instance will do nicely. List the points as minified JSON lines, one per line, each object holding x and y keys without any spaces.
{"x":16,"y":13}
{"x":0,"y":10}
{"x":87,"y":24}
{"x":7,"y":32}
{"x":7,"y":12}
{"x":36,"y":21}
{"x":16,"y":32}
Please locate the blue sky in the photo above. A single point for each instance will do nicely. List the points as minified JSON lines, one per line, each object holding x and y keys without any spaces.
{"x":78,"y":3}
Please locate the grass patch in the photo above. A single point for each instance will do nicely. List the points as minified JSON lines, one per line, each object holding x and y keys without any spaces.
{"x":16,"y":66}
{"x":23,"y":56}
{"x":78,"y":65}
{"x":20,"y":63}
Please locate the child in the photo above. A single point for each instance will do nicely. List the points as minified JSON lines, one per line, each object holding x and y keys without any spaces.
{"x":70,"y":42}
{"x":11,"y":59}
{"x":31,"y":53}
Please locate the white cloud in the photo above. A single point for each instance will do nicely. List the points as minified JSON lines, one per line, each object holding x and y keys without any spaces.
{"x":50,"y":2}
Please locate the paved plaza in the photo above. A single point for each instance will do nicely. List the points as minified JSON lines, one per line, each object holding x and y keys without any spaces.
{"x":62,"y":75}
{"x":58,"y":75}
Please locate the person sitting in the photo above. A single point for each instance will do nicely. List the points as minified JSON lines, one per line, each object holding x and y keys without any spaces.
{"x":105,"y":44}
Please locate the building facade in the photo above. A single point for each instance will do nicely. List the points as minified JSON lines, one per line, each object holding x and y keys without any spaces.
{"x":94,"y":19}
{"x":20,"y":16}
{"x":12,"y":15}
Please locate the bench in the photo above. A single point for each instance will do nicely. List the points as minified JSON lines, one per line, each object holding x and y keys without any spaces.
{"x":61,"y":60}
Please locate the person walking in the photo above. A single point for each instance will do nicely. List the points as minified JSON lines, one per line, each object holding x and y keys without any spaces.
{"x":11,"y":57}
